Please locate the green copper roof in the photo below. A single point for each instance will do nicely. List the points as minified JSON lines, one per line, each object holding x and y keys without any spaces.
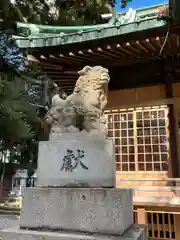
{"x":38,"y":36}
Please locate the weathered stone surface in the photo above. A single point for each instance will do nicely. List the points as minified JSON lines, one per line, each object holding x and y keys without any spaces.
{"x":90,"y":210}
{"x":137,"y":232}
{"x":84,"y":108}
{"x":95,"y":167}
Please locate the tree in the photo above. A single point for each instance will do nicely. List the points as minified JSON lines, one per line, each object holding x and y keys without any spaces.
{"x":16,"y":112}
{"x":124,"y":3}
{"x":25,"y":91}
{"x":19,"y":122}
{"x":24,"y":88}
{"x":57,"y":12}
{"x":79,"y":12}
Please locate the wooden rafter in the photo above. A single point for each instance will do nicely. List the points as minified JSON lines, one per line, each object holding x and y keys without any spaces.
{"x":112,"y":55}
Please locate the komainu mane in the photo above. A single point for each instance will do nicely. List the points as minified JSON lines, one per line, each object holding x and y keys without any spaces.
{"x":84,"y":108}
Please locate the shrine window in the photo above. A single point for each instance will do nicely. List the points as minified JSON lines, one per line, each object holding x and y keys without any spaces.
{"x":140,"y":137}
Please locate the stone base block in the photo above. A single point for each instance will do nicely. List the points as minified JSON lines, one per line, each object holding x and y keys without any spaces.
{"x":77,"y":159}
{"x":100,"y":210}
{"x":136,"y":232}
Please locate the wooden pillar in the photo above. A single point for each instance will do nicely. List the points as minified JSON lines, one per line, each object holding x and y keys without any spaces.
{"x":174,"y":10}
{"x":173,"y":165}
{"x":176,"y":226}
{"x":141,"y":216}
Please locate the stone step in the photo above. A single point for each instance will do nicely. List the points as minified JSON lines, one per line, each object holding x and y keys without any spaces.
{"x":136,"y":232}
{"x":77,"y":159}
{"x":100,"y":210}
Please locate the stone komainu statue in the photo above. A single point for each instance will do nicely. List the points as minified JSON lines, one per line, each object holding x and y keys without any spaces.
{"x":83,"y":110}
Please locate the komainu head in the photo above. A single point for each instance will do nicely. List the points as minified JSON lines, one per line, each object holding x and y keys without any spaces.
{"x":92,"y":78}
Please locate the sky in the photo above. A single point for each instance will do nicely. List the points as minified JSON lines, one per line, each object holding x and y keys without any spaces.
{"x":139,"y":4}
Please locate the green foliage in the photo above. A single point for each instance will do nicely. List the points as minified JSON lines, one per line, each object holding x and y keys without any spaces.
{"x":71,"y":12}
{"x":25,"y":153}
{"x":18,"y":124}
{"x":18,"y":119}
{"x":81,"y":12}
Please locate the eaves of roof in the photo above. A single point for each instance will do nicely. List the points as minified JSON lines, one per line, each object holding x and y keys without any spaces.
{"x":48,"y":36}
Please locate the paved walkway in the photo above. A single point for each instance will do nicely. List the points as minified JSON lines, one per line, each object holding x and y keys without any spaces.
{"x":8,"y":221}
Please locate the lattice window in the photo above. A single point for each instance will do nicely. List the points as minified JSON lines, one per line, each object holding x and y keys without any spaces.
{"x":140,"y":138}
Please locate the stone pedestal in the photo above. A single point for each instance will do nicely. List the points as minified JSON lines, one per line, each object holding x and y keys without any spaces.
{"x":135,"y":232}
{"x":101,"y":210}
{"x":75,"y":197}
{"x":91,"y":162}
